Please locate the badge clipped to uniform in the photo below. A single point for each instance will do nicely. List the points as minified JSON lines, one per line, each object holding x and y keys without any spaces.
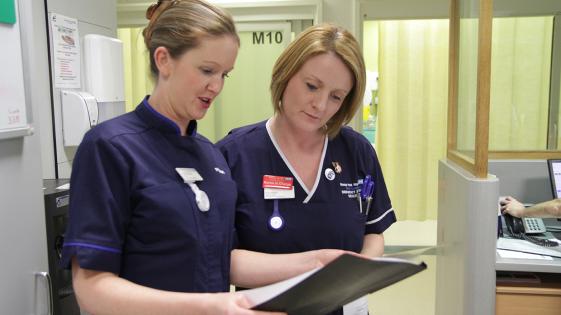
{"x":190,"y":176}
{"x":277,"y":187}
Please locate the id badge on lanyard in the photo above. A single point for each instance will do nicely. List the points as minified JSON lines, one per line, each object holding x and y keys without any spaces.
{"x":275,"y":188}
{"x":190,"y":176}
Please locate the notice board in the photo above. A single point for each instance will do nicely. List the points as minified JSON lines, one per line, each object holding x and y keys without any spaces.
{"x":13,"y":112}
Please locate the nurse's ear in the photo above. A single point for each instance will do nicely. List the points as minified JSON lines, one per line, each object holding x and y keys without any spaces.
{"x":163,"y":61}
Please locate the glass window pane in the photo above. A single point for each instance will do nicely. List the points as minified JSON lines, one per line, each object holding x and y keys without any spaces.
{"x":467,"y":77}
{"x":520,"y":82}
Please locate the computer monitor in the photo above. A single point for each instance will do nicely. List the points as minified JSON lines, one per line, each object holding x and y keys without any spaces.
{"x":555,"y":177}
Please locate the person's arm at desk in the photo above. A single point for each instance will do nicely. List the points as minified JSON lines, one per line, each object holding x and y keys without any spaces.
{"x":547,"y":209}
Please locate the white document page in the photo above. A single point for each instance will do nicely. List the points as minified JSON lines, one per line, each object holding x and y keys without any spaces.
{"x":527,"y":247}
{"x":263,"y":294}
{"x":520,"y":255}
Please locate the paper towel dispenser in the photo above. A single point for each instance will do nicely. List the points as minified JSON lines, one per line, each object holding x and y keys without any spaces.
{"x":104,"y":94}
{"x":104,"y":74}
{"x":79,"y":114}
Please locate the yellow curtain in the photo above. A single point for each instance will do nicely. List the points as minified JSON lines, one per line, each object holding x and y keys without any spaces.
{"x":138,"y":81}
{"x":521,"y":63}
{"x":413,"y":97}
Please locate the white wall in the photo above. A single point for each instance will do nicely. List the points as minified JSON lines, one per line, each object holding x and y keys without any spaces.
{"x":94,"y":17}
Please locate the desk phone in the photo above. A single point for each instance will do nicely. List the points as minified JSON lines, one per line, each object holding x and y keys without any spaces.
{"x":519,"y":228}
{"x":533,"y":225}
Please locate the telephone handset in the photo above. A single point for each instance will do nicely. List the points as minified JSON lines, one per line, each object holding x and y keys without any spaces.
{"x":518,"y":228}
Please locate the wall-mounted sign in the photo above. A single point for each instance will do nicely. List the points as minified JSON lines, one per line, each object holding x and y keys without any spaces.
{"x":13,"y":117}
{"x":264,"y":38}
{"x":66,"y":51}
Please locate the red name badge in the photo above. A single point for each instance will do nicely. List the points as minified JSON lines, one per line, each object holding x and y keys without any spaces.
{"x":279,"y":182}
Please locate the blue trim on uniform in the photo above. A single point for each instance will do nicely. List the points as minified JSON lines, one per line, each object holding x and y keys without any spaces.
{"x":108,"y":249}
{"x":191,"y":128}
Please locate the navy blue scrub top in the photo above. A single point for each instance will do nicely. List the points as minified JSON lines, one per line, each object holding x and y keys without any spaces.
{"x":131,"y":213}
{"x":326,"y":217}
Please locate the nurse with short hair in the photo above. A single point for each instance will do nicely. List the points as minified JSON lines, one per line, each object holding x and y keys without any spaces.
{"x":305,"y":181}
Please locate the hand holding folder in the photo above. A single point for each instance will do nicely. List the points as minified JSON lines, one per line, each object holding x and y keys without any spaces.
{"x":323,"y":290}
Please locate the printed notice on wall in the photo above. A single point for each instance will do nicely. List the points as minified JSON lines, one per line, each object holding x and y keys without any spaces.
{"x":66,"y":51}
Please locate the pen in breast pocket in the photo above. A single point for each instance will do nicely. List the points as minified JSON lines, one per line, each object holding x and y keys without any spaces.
{"x":364,"y":189}
{"x":369,"y":193}
{"x":359,"y":200}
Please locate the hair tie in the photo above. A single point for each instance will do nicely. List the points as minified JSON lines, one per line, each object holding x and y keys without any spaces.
{"x":153,"y":8}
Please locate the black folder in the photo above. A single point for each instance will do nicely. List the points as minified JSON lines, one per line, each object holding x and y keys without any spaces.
{"x":323,"y":290}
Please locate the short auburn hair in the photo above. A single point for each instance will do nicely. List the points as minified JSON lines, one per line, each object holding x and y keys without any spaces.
{"x":317,"y":40}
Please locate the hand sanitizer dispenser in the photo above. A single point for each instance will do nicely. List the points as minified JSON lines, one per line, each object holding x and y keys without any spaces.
{"x":79,"y":114}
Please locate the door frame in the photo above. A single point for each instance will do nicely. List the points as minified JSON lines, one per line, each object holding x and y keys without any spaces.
{"x":132,"y":12}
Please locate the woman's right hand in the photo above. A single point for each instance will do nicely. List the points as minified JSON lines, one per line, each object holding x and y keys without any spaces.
{"x":232,"y":304}
{"x":512,"y":206}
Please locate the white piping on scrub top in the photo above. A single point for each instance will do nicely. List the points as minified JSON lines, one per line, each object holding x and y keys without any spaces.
{"x":320,"y":168}
{"x":380,"y":217}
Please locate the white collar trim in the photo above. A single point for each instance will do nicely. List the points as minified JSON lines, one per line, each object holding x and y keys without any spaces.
{"x":300,"y":182}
